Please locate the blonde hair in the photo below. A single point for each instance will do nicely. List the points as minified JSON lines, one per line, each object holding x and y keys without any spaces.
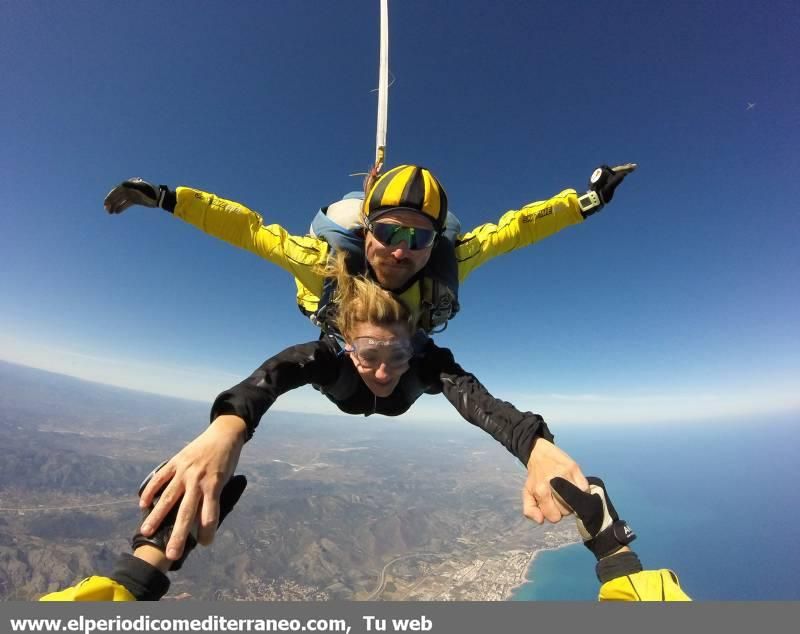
{"x":359,"y":300}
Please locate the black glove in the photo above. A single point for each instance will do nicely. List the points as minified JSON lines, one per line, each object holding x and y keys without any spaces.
{"x":134,"y":191}
{"x":598,"y":523}
{"x":229,"y":496}
{"x":602,"y":183}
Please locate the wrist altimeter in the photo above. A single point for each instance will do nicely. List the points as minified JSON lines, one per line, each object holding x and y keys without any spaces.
{"x":589,"y":203}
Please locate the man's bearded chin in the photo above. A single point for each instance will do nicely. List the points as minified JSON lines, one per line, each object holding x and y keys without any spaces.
{"x":391,"y":273}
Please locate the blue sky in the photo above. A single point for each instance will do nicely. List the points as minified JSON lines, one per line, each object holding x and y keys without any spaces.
{"x":679,"y":301}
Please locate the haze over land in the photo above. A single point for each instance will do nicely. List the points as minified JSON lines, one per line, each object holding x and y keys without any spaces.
{"x":345,"y":508}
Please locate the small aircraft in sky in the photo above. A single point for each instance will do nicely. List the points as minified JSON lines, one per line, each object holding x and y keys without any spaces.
{"x":750,"y":106}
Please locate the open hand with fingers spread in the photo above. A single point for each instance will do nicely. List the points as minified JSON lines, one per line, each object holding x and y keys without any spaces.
{"x":187,"y":488}
{"x":230,"y":495}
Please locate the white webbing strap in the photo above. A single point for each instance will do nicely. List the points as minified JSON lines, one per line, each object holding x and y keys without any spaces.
{"x":383,"y":88}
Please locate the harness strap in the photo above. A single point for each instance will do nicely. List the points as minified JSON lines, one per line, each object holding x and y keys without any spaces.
{"x":321,"y":318}
{"x":438,"y":305}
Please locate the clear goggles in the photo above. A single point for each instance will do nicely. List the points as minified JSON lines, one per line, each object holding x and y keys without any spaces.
{"x":373,"y":353}
{"x":391,"y":235}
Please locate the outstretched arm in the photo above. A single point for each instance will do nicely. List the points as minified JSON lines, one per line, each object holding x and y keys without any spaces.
{"x":524,"y":434}
{"x":538,"y":220}
{"x":607,"y":537}
{"x":192,"y":480}
{"x":513,"y":429}
{"x":314,"y":362}
{"x":229,"y":221}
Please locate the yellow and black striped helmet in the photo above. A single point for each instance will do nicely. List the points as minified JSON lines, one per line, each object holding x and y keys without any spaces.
{"x":410,"y":188}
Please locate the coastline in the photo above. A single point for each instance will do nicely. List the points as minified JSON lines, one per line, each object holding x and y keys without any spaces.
{"x":523,"y":575}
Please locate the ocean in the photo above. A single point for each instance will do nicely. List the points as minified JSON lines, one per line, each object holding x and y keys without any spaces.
{"x":715,"y":502}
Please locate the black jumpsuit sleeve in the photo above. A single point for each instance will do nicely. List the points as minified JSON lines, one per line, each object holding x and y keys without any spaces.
{"x":315,"y":362}
{"x":143,"y":581}
{"x":514,"y":429}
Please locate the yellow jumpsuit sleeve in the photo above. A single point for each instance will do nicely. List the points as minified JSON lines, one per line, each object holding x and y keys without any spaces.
{"x":647,"y":585}
{"x":92,"y":589}
{"x":516,"y":229}
{"x":244,"y":228}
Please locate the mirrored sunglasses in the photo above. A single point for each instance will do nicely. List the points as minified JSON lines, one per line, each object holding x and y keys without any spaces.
{"x":391,"y":235}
